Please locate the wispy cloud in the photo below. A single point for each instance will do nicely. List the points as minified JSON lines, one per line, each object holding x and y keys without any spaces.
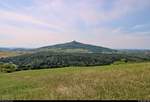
{"x":25,"y":19}
{"x":41,"y":22}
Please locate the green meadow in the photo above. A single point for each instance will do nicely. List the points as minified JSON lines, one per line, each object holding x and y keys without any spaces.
{"x":124,"y":81}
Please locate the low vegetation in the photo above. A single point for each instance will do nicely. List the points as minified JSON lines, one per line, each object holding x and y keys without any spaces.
{"x":7,"y":67}
{"x":123,"y":81}
{"x":41,"y":60}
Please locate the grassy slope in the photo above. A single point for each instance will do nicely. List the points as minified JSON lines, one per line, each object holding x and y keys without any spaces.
{"x":8,"y":54}
{"x":126,"y":81}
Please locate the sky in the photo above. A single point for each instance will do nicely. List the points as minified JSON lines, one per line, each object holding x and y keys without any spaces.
{"x":118,"y":24}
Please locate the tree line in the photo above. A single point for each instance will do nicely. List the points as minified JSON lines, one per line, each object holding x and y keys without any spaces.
{"x":43,"y":60}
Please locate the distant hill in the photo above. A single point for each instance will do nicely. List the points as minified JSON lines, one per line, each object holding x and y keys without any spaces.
{"x":69,"y":54}
{"x":76,"y":47}
{"x":9,"y":52}
{"x":14,"y":49}
{"x":4,"y":49}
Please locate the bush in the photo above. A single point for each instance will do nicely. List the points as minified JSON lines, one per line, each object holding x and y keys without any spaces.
{"x":7,"y":67}
{"x":122,"y":61}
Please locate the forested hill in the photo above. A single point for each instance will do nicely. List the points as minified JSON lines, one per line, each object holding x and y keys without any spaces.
{"x":76,"y":47}
{"x":70,"y":54}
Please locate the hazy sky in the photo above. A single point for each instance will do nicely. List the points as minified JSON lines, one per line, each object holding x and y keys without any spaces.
{"x":109,"y":23}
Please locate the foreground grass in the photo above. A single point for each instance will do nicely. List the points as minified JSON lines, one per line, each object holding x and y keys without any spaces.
{"x":126,"y":81}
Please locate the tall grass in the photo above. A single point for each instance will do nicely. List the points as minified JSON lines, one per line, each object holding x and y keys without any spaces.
{"x":125,"y":81}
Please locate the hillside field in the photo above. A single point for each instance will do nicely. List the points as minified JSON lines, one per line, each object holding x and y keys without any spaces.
{"x":124,"y":81}
{"x":8,"y":54}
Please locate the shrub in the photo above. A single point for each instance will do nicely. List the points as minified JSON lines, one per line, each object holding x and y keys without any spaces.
{"x":122,"y":61}
{"x":7,"y":67}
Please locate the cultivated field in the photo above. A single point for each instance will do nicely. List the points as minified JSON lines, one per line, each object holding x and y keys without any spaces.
{"x":125,"y":81}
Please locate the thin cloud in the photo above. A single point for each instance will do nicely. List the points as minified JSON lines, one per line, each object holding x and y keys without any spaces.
{"x":54,"y":21}
{"x":21,"y":18}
